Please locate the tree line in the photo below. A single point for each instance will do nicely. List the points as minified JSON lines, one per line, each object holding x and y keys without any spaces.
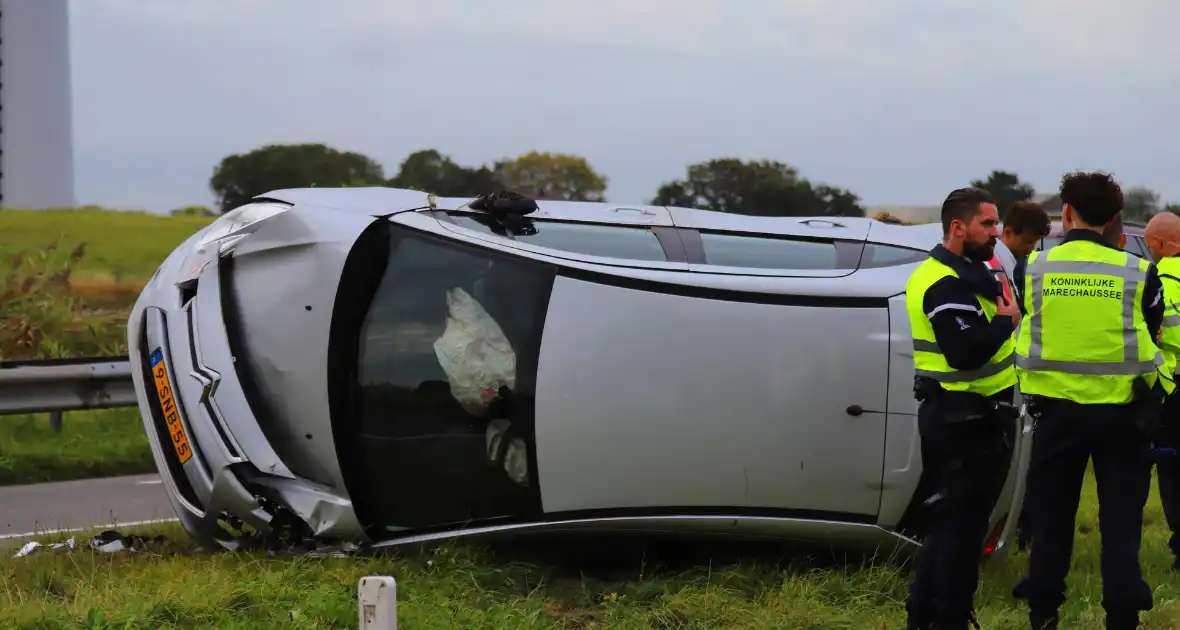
{"x":751,"y":187}
{"x":1139,"y":202}
{"x":757,"y":187}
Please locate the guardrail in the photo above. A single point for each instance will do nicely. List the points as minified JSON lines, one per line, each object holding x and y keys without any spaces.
{"x":55,"y":386}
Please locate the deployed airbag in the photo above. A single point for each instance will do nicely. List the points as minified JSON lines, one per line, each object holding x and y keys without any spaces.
{"x":474,"y":353}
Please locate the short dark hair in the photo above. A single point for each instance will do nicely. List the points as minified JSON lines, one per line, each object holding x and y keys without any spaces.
{"x":963,"y":204}
{"x":1096,"y":196}
{"x":1027,"y":217}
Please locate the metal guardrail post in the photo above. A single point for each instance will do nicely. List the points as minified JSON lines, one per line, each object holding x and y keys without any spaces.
{"x":55,"y":418}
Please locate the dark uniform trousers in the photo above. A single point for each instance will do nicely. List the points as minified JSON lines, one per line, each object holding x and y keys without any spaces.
{"x":1067,"y":436}
{"x":964,"y":468}
{"x":1168,"y":469}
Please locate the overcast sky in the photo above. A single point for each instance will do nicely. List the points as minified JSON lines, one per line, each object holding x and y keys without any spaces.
{"x":897,"y":100}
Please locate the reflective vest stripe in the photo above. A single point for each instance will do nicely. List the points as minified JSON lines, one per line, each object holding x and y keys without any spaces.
{"x":964,"y":376}
{"x":921,"y":345}
{"x":954,"y":307}
{"x":1130,"y":274}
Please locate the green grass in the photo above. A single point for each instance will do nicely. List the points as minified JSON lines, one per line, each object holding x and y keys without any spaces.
{"x":100,"y":443}
{"x":531,"y":586}
{"x":123,"y":243}
{"x":69,"y":277}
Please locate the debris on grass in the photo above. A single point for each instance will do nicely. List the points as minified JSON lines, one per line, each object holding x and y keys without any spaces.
{"x":32,"y":547}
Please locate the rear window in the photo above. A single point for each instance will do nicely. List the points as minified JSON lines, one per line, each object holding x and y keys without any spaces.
{"x":878,"y":255}
{"x":764,"y":252}
{"x":1135,"y":246}
{"x":610,"y":241}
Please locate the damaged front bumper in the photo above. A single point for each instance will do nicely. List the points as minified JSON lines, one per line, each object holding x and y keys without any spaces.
{"x":226,"y":483}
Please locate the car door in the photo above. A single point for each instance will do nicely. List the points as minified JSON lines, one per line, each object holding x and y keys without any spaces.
{"x":665,"y":395}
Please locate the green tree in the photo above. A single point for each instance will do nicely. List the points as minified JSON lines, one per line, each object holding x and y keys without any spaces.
{"x":1006,"y":188}
{"x":558,"y":176}
{"x":430,"y":171}
{"x":1174,"y":208}
{"x":759,"y":187}
{"x":240,"y":177}
{"x":1140,"y":204}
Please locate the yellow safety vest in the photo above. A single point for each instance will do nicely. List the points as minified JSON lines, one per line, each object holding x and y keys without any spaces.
{"x":1169,"y":343}
{"x":1084,"y":338}
{"x":994,"y":376}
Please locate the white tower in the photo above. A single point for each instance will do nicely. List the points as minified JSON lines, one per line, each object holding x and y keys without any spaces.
{"x":36,"y":126}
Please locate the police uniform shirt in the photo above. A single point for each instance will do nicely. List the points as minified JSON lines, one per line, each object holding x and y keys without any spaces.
{"x":963,"y":333}
{"x":1153,"y":288}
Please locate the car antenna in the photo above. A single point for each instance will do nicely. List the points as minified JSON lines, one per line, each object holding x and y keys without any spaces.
{"x":507,"y":210}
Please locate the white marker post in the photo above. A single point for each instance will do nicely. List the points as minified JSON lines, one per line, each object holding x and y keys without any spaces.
{"x":377,"y":602}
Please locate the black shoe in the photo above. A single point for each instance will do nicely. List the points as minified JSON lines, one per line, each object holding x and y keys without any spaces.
{"x":1042,"y":620}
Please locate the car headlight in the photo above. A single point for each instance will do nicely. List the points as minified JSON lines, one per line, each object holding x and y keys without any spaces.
{"x":221,"y":235}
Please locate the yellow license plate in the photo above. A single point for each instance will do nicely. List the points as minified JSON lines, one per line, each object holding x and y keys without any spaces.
{"x":168,"y":404}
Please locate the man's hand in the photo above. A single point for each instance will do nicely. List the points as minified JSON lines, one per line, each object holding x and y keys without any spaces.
{"x":1004,"y":306}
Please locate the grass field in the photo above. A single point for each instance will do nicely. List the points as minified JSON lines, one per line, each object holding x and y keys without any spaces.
{"x":72,"y":276}
{"x":92,"y":444}
{"x":125,"y":244}
{"x":555,"y":585}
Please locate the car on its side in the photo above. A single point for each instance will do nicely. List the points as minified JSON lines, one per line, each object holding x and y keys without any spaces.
{"x":382,"y":366}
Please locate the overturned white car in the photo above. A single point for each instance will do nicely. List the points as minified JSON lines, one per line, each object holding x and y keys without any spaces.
{"x":381,"y":366}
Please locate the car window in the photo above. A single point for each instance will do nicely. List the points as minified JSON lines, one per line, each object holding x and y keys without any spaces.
{"x":1135,"y":246}
{"x":448,"y":354}
{"x":611,"y":241}
{"x":878,"y":255}
{"x":764,"y":252}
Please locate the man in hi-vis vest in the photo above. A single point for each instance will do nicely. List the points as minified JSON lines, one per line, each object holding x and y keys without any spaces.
{"x":1162,"y":237}
{"x":1088,"y":368}
{"x":965,"y":382}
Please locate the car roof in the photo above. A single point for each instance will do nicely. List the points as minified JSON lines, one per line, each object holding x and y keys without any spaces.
{"x":383,"y":201}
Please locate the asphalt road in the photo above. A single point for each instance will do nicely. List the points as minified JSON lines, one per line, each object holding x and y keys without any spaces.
{"x":67,"y":505}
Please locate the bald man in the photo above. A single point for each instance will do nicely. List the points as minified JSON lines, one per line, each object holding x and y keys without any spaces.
{"x":1162,"y":237}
